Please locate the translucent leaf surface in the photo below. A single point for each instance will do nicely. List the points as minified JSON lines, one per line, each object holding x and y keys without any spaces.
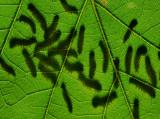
{"x":79,"y":59}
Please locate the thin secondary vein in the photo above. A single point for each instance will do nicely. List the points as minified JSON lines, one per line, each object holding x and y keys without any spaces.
{"x":121,"y":22}
{"x":136,"y":78}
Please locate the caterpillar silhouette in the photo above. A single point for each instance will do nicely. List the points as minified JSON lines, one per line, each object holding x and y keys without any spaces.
{"x":128,"y":59}
{"x":52,"y":28}
{"x":81,"y":39}
{"x":29,"y":62}
{"x":7,"y":67}
{"x":105,"y":55}
{"x":53,"y":51}
{"x":150,"y":71}
{"x":50,"y":61}
{"x":136,"y":109}
{"x":141,"y":51}
{"x":132,"y":24}
{"x":56,"y":35}
{"x":66,"y":97}
{"x":92,"y":64}
{"x":68,"y":7}
{"x":29,"y":21}
{"x":76,"y":66}
{"x":48,"y":73}
{"x":89,"y":83}
{"x":22,"y":42}
{"x":147,"y":89}
{"x":38,"y":16}
{"x":65,"y":43}
{"x":101,"y":101}
{"x":159,"y":54}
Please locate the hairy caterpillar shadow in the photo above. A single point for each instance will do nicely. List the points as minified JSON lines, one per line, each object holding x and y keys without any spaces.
{"x":159,"y":54}
{"x":101,"y":101}
{"x":92,"y":64}
{"x":136,"y":109}
{"x":67,"y":7}
{"x":67,"y":98}
{"x":7,"y":67}
{"x":38,"y":16}
{"x":53,"y":51}
{"x":76,"y":66}
{"x":150,"y":71}
{"x":55,"y":36}
{"x":105,"y":55}
{"x":141,"y":51}
{"x":50,"y":61}
{"x":132,"y":24}
{"x":48,"y":73}
{"x":89,"y":83}
{"x":29,"y":21}
{"x":52,"y":28}
{"x":65,"y":43}
{"x":22,"y":42}
{"x":81,"y":39}
{"x":128,"y":59}
{"x":145,"y":88}
{"x":51,"y":35}
{"x":29,"y":62}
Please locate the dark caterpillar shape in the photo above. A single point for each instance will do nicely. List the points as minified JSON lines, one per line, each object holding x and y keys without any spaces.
{"x":66,"y":97}
{"x":7,"y":67}
{"x":29,"y":62}
{"x":141,"y":51}
{"x":132,"y":24}
{"x":101,"y":101}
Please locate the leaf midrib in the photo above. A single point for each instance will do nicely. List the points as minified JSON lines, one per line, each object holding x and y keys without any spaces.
{"x":112,"y":62}
{"x":10,"y":30}
{"x":61,"y":70}
{"x":11,"y":26}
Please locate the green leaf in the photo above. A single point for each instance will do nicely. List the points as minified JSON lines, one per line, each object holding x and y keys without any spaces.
{"x":79,"y":59}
